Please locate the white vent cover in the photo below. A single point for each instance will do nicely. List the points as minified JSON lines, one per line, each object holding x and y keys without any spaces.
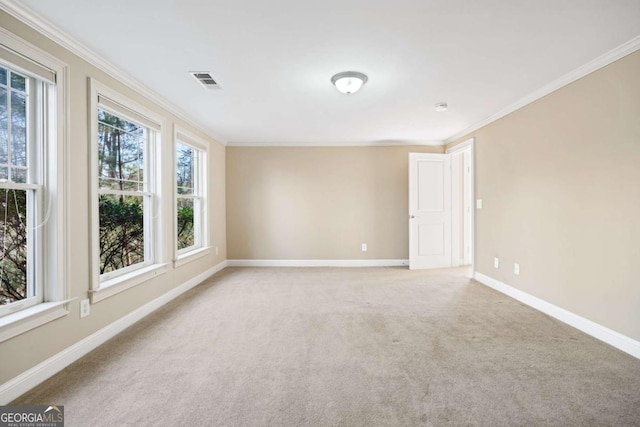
{"x":205,"y":78}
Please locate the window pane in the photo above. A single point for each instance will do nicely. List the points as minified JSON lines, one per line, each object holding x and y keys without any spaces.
{"x":121,"y":231}
{"x":3,"y":76}
{"x":18,"y":82}
{"x":120,"y":157}
{"x":120,"y":123}
{"x":186,"y":236}
{"x":13,"y":246}
{"x":19,"y":175}
{"x":185,"y":168}
{"x":18,"y":129}
{"x":4,"y":129}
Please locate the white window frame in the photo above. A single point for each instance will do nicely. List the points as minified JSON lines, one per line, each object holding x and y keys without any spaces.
{"x":51,"y":109}
{"x":112,"y":283}
{"x":201,"y":230}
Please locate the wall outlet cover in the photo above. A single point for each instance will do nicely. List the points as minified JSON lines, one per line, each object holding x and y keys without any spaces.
{"x":85,"y":308}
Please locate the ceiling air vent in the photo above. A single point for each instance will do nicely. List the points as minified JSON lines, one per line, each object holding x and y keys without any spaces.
{"x":205,"y":78}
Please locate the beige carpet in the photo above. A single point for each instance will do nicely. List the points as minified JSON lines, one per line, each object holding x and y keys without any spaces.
{"x":347,"y":347}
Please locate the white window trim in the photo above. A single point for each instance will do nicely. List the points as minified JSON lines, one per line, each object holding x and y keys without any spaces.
{"x":126,"y":281}
{"x":186,"y":255}
{"x":24,"y":320}
{"x":56,"y":287}
{"x":128,"y":277}
{"x":192,"y":255}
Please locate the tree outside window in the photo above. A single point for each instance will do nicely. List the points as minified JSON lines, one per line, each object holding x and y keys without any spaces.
{"x":123,"y":199}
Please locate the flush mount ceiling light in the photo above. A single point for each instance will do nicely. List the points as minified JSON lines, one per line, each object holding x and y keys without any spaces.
{"x":441,"y":106}
{"x":349,"y":81}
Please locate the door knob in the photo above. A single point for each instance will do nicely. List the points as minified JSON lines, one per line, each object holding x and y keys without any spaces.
{"x":411,"y":216}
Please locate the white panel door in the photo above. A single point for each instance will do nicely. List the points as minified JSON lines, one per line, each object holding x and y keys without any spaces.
{"x":429,"y":210}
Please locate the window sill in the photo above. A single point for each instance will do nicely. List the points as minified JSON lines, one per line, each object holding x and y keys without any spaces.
{"x":193,"y":255}
{"x":30,"y":318}
{"x":118,"y":284}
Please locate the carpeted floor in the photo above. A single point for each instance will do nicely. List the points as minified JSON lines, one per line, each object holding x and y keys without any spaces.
{"x":347,"y":347}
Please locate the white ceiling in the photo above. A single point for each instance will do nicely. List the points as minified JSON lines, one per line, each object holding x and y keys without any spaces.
{"x":274,"y":59}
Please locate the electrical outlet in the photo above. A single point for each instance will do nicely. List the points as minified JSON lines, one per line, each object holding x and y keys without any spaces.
{"x":516,"y":269}
{"x":364,"y":247}
{"x":479,"y":204}
{"x":496,"y":262}
{"x":85,"y":308}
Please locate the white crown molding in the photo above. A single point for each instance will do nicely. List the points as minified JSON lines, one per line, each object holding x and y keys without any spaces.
{"x":611,"y":337}
{"x":317,"y":262}
{"x":337,"y":144}
{"x":24,"y":382}
{"x":40,"y":24}
{"x":588,"y":68}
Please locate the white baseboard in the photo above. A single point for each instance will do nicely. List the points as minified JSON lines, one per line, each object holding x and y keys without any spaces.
{"x":46,"y":369}
{"x":609,"y":336}
{"x":317,"y":262}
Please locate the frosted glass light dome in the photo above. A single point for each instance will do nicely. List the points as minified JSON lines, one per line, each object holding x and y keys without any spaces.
{"x":349,"y":81}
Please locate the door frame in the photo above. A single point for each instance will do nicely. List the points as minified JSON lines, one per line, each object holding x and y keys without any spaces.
{"x":470,"y":145}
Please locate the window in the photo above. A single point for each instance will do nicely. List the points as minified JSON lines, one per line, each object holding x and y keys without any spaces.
{"x":125,"y":196}
{"x":20,"y":186}
{"x":32,"y":181}
{"x":191,"y":212}
{"x":125,"y":215}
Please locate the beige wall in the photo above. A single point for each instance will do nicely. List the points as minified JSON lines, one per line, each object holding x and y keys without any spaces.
{"x":318,"y":203}
{"x":559,"y":179}
{"x":25,"y":351}
{"x":560,"y":182}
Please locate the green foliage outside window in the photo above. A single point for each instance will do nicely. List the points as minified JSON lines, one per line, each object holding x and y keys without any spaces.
{"x":121,"y":232}
{"x":186,"y":235}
